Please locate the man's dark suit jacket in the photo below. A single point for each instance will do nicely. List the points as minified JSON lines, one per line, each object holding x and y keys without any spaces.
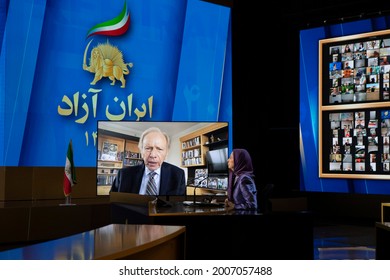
{"x":129,"y":179}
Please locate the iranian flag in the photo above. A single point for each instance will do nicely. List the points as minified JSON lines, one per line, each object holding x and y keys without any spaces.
{"x":114,"y":27}
{"x":70,"y":172}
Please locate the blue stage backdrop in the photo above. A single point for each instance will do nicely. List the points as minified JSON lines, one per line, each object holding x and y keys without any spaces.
{"x":309,"y":105}
{"x":68,"y":64}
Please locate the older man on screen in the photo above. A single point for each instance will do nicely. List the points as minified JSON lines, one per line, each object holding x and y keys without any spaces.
{"x":154,"y":176}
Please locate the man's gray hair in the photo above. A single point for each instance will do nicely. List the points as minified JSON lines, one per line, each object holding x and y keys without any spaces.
{"x":153,"y":129}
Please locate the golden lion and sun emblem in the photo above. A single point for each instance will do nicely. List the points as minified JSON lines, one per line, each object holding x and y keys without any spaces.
{"x":106,"y":61}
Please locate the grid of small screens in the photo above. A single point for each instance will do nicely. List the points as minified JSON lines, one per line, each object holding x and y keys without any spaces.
{"x":358,"y":71}
{"x":358,"y":141}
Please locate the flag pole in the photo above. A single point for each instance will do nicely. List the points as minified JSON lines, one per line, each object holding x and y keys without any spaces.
{"x":68,"y":201}
{"x":69,"y":176}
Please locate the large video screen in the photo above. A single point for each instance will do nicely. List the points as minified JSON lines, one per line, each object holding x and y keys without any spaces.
{"x":344,"y":105}
{"x":199,"y":148}
{"x":70,"y":64}
{"x":354,"y":100}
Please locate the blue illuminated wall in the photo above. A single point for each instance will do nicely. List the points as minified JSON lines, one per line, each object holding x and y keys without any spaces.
{"x":309,"y":88}
{"x":178,"y":54}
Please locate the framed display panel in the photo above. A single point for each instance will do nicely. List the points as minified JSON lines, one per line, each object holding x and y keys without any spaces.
{"x":354,"y":106}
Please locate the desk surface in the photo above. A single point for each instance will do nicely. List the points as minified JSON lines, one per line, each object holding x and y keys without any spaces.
{"x":110,"y":242}
{"x":150,"y":206}
{"x":385,"y":225}
{"x":178,"y":208}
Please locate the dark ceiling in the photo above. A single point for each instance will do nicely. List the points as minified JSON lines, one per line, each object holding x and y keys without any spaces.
{"x":305,"y":13}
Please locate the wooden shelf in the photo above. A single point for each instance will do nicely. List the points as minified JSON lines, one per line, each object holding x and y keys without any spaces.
{"x":127,"y":154}
{"x":195,"y":145}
